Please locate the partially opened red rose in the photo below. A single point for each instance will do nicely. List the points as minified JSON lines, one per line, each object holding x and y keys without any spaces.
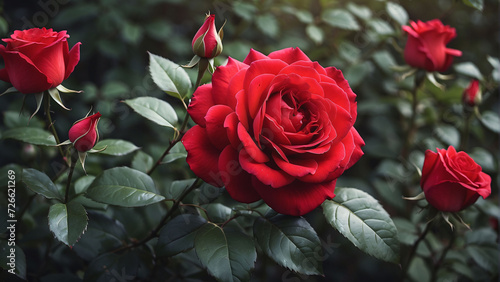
{"x":426,"y":45}
{"x":37,"y":59}
{"x":277,"y":128}
{"x":453,"y":181}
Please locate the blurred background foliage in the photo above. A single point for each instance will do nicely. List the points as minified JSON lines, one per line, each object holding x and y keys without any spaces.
{"x":362,"y":38}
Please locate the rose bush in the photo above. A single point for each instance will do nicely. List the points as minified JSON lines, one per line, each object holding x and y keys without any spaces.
{"x":83,"y":134}
{"x":277,"y":128}
{"x":37,"y":59}
{"x":453,"y":181}
{"x":426,"y":45}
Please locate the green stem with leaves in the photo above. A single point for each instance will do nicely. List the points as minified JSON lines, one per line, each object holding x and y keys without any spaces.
{"x":170,"y":212}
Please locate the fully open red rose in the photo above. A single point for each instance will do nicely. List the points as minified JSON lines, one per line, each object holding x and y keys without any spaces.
{"x":453,"y":181}
{"x":426,"y":45}
{"x":277,"y":128}
{"x":37,"y":59}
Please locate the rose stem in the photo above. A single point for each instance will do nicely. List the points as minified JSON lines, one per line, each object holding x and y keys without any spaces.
{"x":465,"y":134}
{"x":170,"y":212}
{"x":414,"y":249}
{"x":50,"y":122}
{"x":441,"y":258}
{"x":74,"y":159}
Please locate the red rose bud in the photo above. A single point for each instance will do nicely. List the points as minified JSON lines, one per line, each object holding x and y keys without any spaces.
{"x":453,"y":181}
{"x":83,"y":134}
{"x":426,"y":45}
{"x":472,"y":95}
{"x":207,"y":43}
{"x":37,"y":59}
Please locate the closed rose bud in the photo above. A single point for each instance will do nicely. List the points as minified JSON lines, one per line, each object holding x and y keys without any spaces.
{"x":453,"y":181}
{"x":83,"y":134}
{"x":207,"y":43}
{"x":37,"y":59}
{"x":472,"y":95}
{"x":426,"y":45}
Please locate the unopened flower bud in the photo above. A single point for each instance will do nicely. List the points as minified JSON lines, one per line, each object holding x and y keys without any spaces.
{"x":83,"y":134}
{"x":207,"y":43}
{"x":472,"y":95}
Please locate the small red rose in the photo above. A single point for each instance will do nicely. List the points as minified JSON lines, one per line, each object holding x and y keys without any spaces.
{"x":277,"y":128}
{"x":453,"y":181}
{"x":83,"y":134}
{"x":37,"y":59}
{"x":426,"y":45}
{"x":472,"y":95}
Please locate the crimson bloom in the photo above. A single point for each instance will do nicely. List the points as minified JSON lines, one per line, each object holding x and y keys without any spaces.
{"x":453,"y":181}
{"x":426,"y":45}
{"x":38,"y":59}
{"x":83,"y":134}
{"x":277,"y":128}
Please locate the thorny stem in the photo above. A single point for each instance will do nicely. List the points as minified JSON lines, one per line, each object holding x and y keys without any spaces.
{"x":170,"y":212}
{"x":413,"y":250}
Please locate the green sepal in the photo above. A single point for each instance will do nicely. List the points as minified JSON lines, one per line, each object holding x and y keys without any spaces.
{"x":56,"y":97}
{"x":39,"y":100}
{"x":9,"y":90}
{"x":63,"y":89}
{"x":81,"y":157}
{"x":194,"y":61}
{"x":433,"y":80}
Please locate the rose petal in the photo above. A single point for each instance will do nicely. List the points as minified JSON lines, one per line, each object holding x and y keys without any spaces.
{"x":296,"y":166}
{"x":221,"y":80}
{"x":253,"y":56}
{"x":297,"y":198}
{"x":216,"y":132}
{"x":250,"y":147}
{"x":267,"y":175}
{"x":202,"y":157}
{"x":71,"y":58}
{"x":289,"y":55}
{"x":238,"y":182}
{"x":200,"y":103}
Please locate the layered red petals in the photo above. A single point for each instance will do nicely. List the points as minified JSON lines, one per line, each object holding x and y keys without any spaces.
{"x":453,"y":181}
{"x":38,"y":59}
{"x":279,"y":128}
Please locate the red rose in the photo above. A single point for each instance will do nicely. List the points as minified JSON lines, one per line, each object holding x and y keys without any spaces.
{"x":426,"y":45}
{"x":472,"y":95}
{"x":83,"y":134}
{"x":277,"y":128}
{"x":453,"y":181}
{"x":37,"y":59}
{"x":207,"y":43}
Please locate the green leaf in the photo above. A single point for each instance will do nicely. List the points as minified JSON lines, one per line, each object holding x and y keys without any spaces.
{"x":31,"y":135}
{"x":218,"y":212}
{"x":142,"y":161}
{"x":397,"y":12}
{"x":362,"y":220}
{"x":67,"y":221}
{"x":177,"y":152}
{"x":362,"y":12}
{"x":485,"y":256}
{"x":116,"y":147}
{"x":380,"y":27}
{"x":125,"y":187}
{"x":340,"y":18}
{"x":244,"y":10}
{"x":178,"y":234}
{"x":41,"y":184}
{"x":13,"y":119}
{"x":267,"y":24}
{"x":484,"y":158}
{"x":154,"y":109}
{"x":291,"y":242}
{"x":20,"y":259}
{"x":491,"y":120}
{"x":468,"y":69}
{"x":178,"y":187}
{"x":83,"y":183}
{"x":315,"y":33}
{"x":478,"y":4}
{"x":448,"y":134}
{"x":227,"y":255}
{"x":169,"y":76}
